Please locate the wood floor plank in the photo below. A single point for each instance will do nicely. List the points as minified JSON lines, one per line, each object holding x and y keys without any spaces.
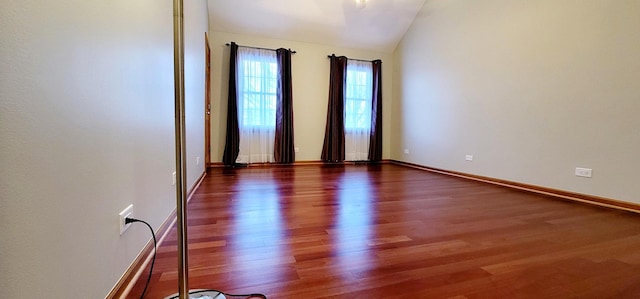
{"x":388,"y":231}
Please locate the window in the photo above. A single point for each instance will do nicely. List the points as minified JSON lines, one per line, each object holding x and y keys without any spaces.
{"x":258,"y":78}
{"x":354,"y":114}
{"x":357,"y":106}
{"x":357,"y":110}
{"x":259,"y":93}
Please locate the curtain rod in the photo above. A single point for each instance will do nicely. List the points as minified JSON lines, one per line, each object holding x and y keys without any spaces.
{"x":292,"y":52}
{"x":329,"y":56}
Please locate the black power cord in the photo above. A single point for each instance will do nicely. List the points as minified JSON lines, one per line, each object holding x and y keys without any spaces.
{"x":155,"y":248}
{"x":245,"y":296}
{"x":153,"y":261}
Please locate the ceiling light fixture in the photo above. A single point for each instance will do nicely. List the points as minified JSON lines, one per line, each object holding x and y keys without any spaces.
{"x":361,"y":3}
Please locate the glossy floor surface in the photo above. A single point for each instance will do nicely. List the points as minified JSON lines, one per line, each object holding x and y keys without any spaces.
{"x":387,"y":231}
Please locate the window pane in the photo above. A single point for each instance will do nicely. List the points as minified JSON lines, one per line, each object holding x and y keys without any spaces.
{"x":358,"y":97}
{"x":259,"y":77}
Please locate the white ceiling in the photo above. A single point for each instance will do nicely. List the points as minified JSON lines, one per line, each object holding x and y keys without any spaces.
{"x":378,"y":26}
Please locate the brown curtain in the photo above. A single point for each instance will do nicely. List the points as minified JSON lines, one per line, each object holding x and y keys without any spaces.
{"x":232,"y":144}
{"x":375,"y":143}
{"x":333,"y":148}
{"x":284,"y":151}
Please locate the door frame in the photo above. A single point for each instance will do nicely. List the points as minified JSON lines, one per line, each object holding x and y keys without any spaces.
{"x":207,"y":102}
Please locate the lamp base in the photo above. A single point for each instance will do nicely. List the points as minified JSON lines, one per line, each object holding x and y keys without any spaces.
{"x":200,"y":294}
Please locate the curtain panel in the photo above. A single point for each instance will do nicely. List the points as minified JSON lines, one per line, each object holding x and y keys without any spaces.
{"x":357,"y":110}
{"x":232,"y":142}
{"x":375,"y":143}
{"x":256,"y":81}
{"x":284,"y":150}
{"x":333,"y":147}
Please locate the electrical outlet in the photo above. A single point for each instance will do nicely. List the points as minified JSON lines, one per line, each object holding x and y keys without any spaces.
{"x":127,"y":212}
{"x":468,"y":157}
{"x":174,"y":179}
{"x":406,"y":151}
{"x":197,"y":160}
{"x":297,"y":149}
{"x":584,"y":172}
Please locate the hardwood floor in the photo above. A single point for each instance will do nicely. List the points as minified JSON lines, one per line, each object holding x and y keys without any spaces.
{"x":387,"y":231}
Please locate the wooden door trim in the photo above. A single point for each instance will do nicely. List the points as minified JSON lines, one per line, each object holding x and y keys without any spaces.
{"x":207,"y":102}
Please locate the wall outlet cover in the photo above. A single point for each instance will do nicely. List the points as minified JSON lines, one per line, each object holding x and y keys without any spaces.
{"x":584,"y":172}
{"x":127,"y":212}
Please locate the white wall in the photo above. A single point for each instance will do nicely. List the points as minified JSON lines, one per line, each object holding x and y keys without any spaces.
{"x":310,"y":75}
{"x":196,"y":23}
{"x":86,"y":128}
{"x":532,"y":89}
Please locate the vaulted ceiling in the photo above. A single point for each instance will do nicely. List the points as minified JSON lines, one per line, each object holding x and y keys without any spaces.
{"x":378,"y":26}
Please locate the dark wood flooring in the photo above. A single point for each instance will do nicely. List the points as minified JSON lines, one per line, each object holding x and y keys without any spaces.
{"x":388,"y":231}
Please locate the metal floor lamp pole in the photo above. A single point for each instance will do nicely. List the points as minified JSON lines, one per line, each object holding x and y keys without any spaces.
{"x":181,"y":192}
{"x":181,"y":164}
